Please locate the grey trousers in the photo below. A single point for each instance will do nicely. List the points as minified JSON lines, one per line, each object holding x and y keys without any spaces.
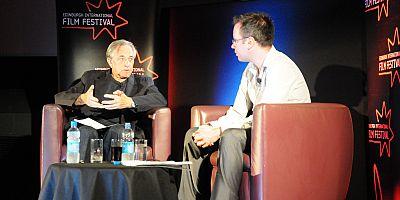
{"x":195,"y":180}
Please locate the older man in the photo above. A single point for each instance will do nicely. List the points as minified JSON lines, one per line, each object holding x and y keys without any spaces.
{"x":111,"y":96}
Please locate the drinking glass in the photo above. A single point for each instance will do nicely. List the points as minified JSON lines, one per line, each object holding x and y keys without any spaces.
{"x":96,"y":150}
{"x":140,"y":149}
{"x":116,"y":151}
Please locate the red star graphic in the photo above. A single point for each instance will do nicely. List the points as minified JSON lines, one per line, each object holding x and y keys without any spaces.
{"x":384,"y":114}
{"x":116,"y":6}
{"x":383,"y":8}
{"x":393,"y":76}
{"x":395,"y":40}
{"x":147,"y":60}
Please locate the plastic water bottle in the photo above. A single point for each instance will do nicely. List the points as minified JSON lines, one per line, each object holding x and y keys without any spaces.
{"x":127,"y":143}
{"x":73,"y":139}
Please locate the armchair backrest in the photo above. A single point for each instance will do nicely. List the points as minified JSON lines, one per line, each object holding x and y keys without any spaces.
{"x":301,"y":151}
{"x":203,"y":114}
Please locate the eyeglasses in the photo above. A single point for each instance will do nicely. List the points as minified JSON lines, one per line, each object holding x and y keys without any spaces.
{"x":124,"y":59}
{"x":234,"y":41}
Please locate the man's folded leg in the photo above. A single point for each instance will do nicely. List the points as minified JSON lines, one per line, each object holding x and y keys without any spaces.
{"x":195,"y":179}
{"x":230,"y":165}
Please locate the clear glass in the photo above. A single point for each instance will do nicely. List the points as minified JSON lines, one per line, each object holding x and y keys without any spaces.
{"x":140,"y":149}
{"x":96,"y":150}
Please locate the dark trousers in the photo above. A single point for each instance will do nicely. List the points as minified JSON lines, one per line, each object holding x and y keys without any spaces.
{"x":88,"y":133}
{"x":195,"y":179}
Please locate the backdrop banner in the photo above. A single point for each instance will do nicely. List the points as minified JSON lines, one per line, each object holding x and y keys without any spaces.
{"x":383,"y":62}
{"x":86,"y":28}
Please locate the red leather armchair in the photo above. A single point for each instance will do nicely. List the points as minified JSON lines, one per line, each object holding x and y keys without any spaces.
{"x":52,"y":149}
{"x":298,"y":151}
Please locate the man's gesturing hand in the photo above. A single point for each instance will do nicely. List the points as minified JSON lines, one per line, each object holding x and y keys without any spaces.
{"x":119,"y":100}
{"x":87,"y":98}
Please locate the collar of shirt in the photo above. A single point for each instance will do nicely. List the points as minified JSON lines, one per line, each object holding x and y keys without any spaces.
{"x":268,"y":59}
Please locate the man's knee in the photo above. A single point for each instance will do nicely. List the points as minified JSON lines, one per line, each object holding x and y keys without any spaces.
{"x":231,"y":138}
{"x":190,"y":146}
{"x":115,"y":130}
{"x":189,"y":133}
{"x":88,"y":132}
{"x":232,"y":135}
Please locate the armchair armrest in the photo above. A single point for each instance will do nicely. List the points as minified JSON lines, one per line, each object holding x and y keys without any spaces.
{"x":51,"y":137}
{"x":161,"y":132}
{"x":203,"y":114}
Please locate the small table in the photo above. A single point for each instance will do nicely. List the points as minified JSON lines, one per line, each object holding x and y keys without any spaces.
{"x":106,"y":181}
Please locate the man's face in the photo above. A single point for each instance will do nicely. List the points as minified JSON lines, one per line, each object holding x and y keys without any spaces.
{"x":239,"y":44}
{"x":121,"y":62}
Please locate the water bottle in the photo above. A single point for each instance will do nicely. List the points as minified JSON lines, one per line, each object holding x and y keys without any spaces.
{"x":127,"y":143}
{"x":73,"y":136}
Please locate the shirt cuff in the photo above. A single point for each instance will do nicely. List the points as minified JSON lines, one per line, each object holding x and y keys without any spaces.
{"x":133,"y":104}
{"x":214,"y":124}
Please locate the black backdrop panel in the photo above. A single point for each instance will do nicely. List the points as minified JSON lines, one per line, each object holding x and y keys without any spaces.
{"x":86,"y":28}
{"x":383,"y":60}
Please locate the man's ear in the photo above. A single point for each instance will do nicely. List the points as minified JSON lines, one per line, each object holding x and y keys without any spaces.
{"x":251,"y":42}
{"x":109,"y":62}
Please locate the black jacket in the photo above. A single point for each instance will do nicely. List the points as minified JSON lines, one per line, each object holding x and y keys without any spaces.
{"x":140,"y":88}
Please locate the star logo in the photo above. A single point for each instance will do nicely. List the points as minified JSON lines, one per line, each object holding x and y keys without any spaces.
{"x":102,"y":18}
{"x":144,"y":65}
{"x":394,"y":75}
{"x":383,"y":8}
{"x":381,"y":133}
{"x":388,"y":63}
{"x":396,"y":39}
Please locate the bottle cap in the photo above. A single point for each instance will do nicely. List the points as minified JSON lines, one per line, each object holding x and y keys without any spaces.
{"x":73,"y":123}
{"x":116,"y":162}
{"x":127,"y":125}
